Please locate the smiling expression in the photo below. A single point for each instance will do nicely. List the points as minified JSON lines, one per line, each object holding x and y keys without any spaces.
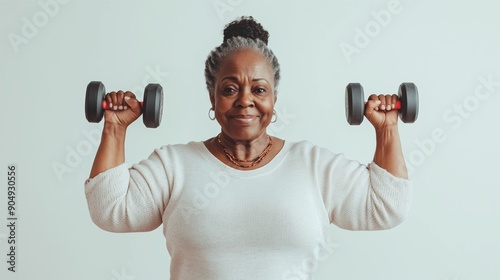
{"x":244,"y":97}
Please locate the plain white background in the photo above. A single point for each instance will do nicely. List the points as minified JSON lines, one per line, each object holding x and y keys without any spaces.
{"x":51,"y":50}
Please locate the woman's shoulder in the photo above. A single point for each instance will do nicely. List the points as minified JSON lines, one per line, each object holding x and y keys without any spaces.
{"x":179,"y":153}
{"x":306,"y":149}
{"x":304,"y":145}
{"x":299,"y":148}
{"x":196,"y":146}
{"x":191,"y":146}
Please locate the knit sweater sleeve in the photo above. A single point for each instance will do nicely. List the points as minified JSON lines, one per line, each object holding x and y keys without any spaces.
{"x":123,"y":199}
{"x":358,"y":196}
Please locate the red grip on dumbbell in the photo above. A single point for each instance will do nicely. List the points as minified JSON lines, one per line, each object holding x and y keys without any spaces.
{"x":106,"y":107}
{"x":398,"y":105}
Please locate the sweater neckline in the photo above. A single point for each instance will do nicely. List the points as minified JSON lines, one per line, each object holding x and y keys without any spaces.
{"x":265,"y":169}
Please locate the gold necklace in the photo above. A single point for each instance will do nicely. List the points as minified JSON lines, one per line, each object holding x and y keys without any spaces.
{"x":254,"y":161}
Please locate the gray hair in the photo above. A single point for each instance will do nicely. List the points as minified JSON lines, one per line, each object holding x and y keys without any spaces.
{"x":234,"y":44}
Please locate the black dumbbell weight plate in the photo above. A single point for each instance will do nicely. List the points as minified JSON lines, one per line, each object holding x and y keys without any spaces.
{"x":93,"y":101}
{"x":354,"y":103}
{"x":408,"y":96}
{"x":152,"y":105}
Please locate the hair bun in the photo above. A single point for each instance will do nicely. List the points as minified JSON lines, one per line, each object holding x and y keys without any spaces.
{"x":246,"y":27}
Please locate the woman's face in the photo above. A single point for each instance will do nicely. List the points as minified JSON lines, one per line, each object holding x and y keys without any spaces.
{"x":243,"y":98}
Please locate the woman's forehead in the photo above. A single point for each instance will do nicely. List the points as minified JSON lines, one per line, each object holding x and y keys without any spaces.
{"x":245,"y":62}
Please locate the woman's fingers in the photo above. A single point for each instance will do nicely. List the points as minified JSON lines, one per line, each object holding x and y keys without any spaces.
{"x":116,"y":100}
{"x":129,"y":101}
{"x":387,"y":102}
{"x":373,"y":104}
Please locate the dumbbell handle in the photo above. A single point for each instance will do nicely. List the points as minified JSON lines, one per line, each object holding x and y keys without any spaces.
{"x":397,"y":106}
{"x":106,"y":107}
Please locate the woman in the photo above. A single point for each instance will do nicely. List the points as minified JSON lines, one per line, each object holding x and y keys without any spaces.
{"x":244,"y":204}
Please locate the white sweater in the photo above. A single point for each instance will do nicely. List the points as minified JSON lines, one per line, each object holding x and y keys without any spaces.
{"x":268,"y":223}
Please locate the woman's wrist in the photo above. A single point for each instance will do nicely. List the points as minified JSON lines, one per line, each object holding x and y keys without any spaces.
{"x":387,"y":131}
{"x":114,"y":130}
{"x":388,"y":152}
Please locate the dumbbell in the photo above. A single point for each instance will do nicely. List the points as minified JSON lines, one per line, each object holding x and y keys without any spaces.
{"x":152,"y":106}
{"x":407,"y":103}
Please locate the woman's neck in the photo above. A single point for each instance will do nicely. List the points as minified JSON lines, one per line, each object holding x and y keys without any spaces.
{"x":246,"y":149}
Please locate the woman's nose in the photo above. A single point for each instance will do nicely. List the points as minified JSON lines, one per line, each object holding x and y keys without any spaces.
{"x":245,"y":98}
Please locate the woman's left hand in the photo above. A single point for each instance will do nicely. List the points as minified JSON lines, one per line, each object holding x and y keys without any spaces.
{"x":379,"y":110}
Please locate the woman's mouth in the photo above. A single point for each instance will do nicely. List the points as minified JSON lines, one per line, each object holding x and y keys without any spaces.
{"x":244,"y":118}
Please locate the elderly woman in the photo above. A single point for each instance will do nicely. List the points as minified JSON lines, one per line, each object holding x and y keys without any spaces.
{"x":245,"y":204}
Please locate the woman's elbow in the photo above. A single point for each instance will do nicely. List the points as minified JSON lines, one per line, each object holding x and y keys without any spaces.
{"x":105,"y":223}
{"x":123,"y":223}
{"x":389,"y":217}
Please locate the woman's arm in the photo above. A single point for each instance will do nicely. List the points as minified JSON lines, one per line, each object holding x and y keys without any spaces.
{"x":122,"y":199}
{"x":388,"y":152}
{"x":384,"y":118}
{"x":377,"y":197}
{"x":358,"y":196}
{"x":111,"y":151}
{"x":125,"y":109}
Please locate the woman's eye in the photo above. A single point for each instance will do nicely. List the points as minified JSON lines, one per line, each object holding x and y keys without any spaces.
{"x":229,"y":90}
{"x":260,"y":90}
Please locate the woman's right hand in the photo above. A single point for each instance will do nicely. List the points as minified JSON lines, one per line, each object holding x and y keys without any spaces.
{"x":124,"y":108}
